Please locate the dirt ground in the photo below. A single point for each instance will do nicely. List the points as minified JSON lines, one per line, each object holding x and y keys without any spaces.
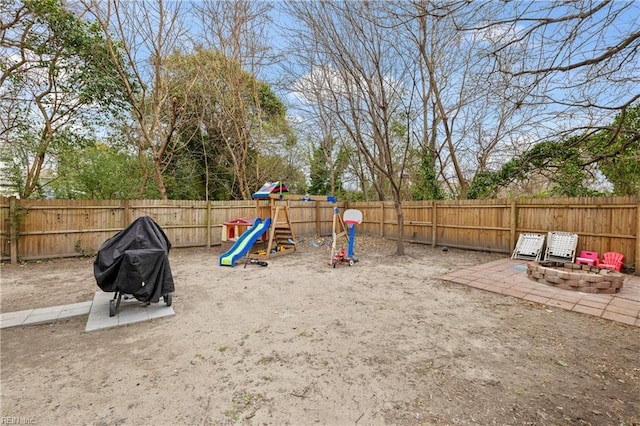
{"x":298,"y":343}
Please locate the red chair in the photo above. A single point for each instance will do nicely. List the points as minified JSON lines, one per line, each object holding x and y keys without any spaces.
{"x":588,"y":258}
{"x":612,"y":260}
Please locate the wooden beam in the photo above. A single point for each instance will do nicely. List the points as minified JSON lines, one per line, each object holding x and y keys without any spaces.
{"x":13,"y":229}
{"x":513,"y":225}
{"x":637,"y":265}
{"x":434,"y":221}
{"x":208,"y":223}
{"x":127,"y":214}
{"x":297,"y":197}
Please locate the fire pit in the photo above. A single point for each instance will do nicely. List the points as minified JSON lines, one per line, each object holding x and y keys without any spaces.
{"x":571,"y":276}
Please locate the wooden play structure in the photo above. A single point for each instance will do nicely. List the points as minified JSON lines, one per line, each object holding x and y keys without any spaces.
{"x":270,"y":233}
{"x":281,"y":239}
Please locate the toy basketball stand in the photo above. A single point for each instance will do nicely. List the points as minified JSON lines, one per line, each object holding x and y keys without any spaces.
{"x":351,"y":218}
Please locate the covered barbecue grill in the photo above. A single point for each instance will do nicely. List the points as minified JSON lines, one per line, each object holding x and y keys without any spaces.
{"x":135,"y":262}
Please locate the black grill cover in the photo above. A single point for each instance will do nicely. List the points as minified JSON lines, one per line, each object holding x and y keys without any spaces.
{"x":136,"y":261}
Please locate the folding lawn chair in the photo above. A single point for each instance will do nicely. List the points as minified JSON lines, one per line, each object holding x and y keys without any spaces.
{"x":529,"y":247}
{"x":561,"y":247}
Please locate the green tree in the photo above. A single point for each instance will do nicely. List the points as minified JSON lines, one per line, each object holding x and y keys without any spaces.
{"x":319,"y":173}
{"x":283,"y":170}
{"x":322,"y":182}
{"x":427,"y":186}
{"x":100,"y":171}
{"x":570,"y":165}
{"x":563,"y":164}
{"x":198,"y":171}
{"x":144,"y":33}
{"x":62,"y":81}
{"x":228,"y":118}
{"x":618,"y":151}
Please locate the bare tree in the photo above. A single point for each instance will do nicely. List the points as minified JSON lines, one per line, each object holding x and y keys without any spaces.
{"x":363,"y":85}
{"x":140,"y":36}
{"x":581,"y":58}
{"x":237,"y":29}
{"x":319,"y":124}
{"x":469,"y":117}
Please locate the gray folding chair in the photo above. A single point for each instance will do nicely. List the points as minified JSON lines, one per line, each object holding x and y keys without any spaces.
{"x":561,"y":247}
{"x":529,"y":247}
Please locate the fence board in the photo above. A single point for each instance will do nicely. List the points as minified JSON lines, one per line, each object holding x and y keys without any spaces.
{"x":59,"y":228}
{"x":5,"y":238}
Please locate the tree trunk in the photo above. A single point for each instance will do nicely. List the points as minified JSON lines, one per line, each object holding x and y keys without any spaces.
{"x":157,"y":165}
{"x":400,"y":218}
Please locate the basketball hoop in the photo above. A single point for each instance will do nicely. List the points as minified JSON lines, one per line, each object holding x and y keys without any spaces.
{"x":352,"y":217}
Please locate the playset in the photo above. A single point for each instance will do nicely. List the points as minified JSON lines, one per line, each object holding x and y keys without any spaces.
{"x":270,"y":234}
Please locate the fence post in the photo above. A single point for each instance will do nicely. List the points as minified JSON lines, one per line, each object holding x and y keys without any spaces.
{"x":127,"y":214}
{"x":13,"y":229}
{"x":434,"y":223}
{"x":208,"y":223}
{"x":382,"y":219}
{"x":513,"y":226}
{"x":637,"y":265}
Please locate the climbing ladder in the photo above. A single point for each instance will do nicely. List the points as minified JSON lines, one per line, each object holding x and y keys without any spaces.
{"x":281,"y":238}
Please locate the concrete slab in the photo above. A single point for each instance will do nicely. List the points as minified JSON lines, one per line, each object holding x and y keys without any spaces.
{"x":14,"y":319}
{"x":34,"y":318}
{"x":129,"y":312}
{"x":43,"y":315}
{"x":158,"y":310}
{"x":76,"y":309}
{"x":48,"y":310}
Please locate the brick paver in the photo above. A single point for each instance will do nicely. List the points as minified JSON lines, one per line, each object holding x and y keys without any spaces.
{"x":509,"y":277}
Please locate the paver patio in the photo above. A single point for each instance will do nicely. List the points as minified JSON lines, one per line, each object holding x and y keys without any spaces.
{"x":509,"y":277}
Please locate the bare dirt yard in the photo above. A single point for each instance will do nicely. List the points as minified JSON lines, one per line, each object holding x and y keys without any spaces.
{"x":300,"y":343}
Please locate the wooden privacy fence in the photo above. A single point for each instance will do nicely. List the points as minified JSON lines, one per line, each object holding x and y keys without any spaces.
{"x":37,"y":229}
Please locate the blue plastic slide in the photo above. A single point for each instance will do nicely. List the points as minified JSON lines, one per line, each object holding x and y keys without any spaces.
{"x":242,"y":246}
